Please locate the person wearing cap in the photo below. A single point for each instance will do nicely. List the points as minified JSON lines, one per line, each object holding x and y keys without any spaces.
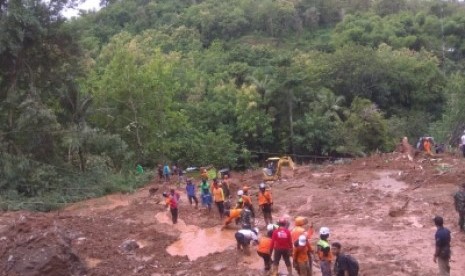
{"x":442,"y":253}
{"x":281,"y":246}
{"x":302,"y":256}
{"x":171,"y":201}
{"x":345,"y":265}
{"x":244,"y":237}
{"x":459,"y":202}
{"x":462,"y":143}
{"x":232,"y":214}
{"x":264,"y":247}
{"x":191,"y":193}
{"x":265,"y":201}
{"x":323,"y":251}
{"x":218,"y":197}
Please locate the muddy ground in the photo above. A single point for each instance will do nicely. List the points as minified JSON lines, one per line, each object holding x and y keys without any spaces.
{"x":380,"y":208}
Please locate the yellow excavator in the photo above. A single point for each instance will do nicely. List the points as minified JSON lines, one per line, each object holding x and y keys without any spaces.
{"x":274,"y":165}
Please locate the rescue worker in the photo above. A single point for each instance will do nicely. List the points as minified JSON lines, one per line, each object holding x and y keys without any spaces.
{"x":281,"y":246}
{"x":232,"y":214}
{"x":345,"y":265}
{"x":302,"y":256}
{"x":427,"y":146}
{"x":206,"y":195}
{"x":240,"y":201}
{"x":264,"y":247}
{"x":247,"y":200}
{"x":265,"y":201}
{"x":244,"y":237}
{"x":323,"y":251}
{"x":246,"y":218}
{"x":172,"y":203}
{"x":191,"y":193}
{"x":299,"y":229}
{"x":218,"y":197}
{"x":459,"y":200}
{"x":442,"y":253}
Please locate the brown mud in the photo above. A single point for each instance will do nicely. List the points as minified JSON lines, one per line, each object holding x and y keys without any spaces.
{"x":380,"y":208}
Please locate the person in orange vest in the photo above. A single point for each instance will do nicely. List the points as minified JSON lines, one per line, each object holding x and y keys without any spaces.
{"x":325,"y":257}
{"x":427,"y":146}
{"x":218,"y":197}
{"x":302,"y":256}
{"x":232,"y":214}
{"x":299,"y":229}
{"x":247,"y":200}
{"x":264,"y":247}
{"x":172,"y":202}
{"x":265,"y":201}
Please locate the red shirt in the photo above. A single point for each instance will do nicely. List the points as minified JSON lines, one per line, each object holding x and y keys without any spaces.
{"x":281,"y":239}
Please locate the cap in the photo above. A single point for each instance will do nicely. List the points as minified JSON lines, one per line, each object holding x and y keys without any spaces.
{"x":324,"y":231}
{"x":302,"y":240}
{"x":240,"y":193}
{"x":270,"y":227}
{"x":262,"y":186}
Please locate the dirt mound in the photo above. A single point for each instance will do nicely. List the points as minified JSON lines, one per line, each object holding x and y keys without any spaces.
{"x":26,"y":251}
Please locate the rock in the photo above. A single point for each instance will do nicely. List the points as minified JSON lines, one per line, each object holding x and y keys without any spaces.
{"x":129,"y":245}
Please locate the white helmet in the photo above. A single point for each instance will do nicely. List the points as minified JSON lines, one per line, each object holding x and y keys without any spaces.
{"x":262,"y":185}
{"x":255,"y":230}
{"x":302,"y":240}
{"x":240,"y":193}
{"x":324,"y":231}
{"x":270,"y":227}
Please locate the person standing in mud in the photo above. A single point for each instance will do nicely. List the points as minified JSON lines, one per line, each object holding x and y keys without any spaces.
{"x":265,"y":201}
{"x":264,"y":247}
{"x":281,"y":246}
{"x":246,"y":218}
{"x":191,"y":193}
{"x":442,"y":253}
{"x":323,"y":251}
{"x":160,"y":172}
{"x":166,"y":173}
{"x":247,"y":200}
{"x":206,"y":195}
{"x":459,"y":200}
{"x":218,"y":197}
{"x":172,"y":202}
{"x":345,"y":265}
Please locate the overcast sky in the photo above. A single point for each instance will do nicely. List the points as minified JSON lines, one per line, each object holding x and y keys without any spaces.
{"x":86,"y":5}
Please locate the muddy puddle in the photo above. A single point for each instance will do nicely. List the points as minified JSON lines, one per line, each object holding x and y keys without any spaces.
{"x":388,"y":183}
{"x":195,"y":242}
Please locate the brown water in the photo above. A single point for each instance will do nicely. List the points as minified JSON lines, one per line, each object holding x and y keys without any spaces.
{"x":195,"y":242}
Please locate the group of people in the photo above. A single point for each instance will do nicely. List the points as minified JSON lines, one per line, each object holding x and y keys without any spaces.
{"x":165,"y":172}
{"x":280,"y":242}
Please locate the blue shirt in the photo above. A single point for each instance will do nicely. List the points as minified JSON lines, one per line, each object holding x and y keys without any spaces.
{"x":442,"y":237}
{"x":190,"y":189}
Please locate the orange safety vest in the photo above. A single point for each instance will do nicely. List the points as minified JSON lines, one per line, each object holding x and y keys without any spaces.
{"x":264,"y":245}
{"x":247,"y":201}
{"x":300,"y":253}
{"x":265,"y":198}
{"x":233,"y":214}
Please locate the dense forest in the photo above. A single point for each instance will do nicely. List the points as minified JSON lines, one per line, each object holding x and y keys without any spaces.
{"x":198,"y":82}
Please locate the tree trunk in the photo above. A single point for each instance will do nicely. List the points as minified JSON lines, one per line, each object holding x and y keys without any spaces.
{"x":290,"y":100}
{"x":82,"y":159}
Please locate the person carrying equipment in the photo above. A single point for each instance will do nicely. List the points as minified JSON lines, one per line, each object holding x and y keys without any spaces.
{"x":323,"y":250}
{"x":265,"y":201}
{"x":264,"y":247}
{"x":281,"y":246}
{"x":191,"y":193}
{"x":459,"y":200}
{"x":302,"y":256}
{"x":206,"y":195}
{"x":218,"y":197}
{"x":172,"y":203}
{"x":345,"y":265}
{"x":244,"y":237}
{"x":233,"y":214}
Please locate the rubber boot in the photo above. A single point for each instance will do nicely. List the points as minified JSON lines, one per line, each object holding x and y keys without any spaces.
{"x":274,"y":270}
{"x":289,"y":270}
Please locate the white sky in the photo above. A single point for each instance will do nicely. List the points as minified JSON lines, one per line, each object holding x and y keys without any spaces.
{"x":86,"y":5}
